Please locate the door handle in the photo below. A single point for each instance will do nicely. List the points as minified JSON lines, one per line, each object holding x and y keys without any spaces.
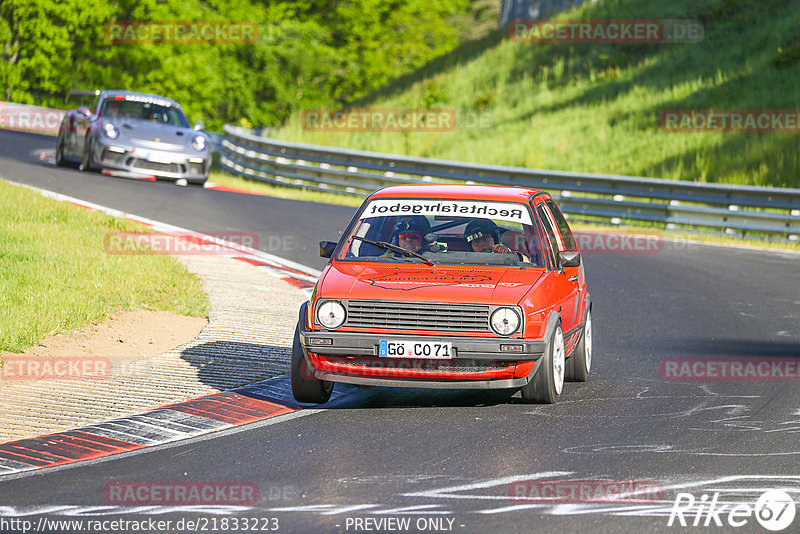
{"x":573,"y":278}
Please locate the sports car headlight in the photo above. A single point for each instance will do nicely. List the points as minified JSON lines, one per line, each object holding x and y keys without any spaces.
{"x":199,"y":143}
{"x":504,"y":321}
{"x":110,"y":130}
{"x":331,"y":314}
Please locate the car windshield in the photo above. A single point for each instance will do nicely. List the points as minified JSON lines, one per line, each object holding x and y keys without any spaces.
{"x":456,"y":232}
{"x":144,"y":109}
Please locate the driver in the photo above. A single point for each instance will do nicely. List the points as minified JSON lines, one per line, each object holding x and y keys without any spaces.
{"x":409,"y":233}
{"x":154,"y":115}
{"x":112,"y":109}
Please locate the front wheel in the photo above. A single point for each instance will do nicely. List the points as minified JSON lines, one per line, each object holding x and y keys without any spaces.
{"x":548,"y":382}
{"x":60,"y":161}
{"x":88,"y":155}
{"x":579,"y":365}
{"x":305,"y":387}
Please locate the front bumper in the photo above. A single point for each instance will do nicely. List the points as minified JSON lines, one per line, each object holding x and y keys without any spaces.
{"x":161,"y":163}
{"x":477,"y":363}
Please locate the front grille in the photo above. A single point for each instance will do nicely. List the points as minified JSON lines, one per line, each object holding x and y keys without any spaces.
{"x":196,"y":168}
{"x":153,"y":166}
{"x":417,"y":316}
{"x":158,"y":145}
{"x":112,"y":158}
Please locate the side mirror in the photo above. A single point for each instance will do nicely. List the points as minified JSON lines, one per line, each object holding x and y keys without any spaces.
{"x":569,"y":258}
{"x":199,"y":126}
{"x":326,"y":248}
{"x":85,"y":111}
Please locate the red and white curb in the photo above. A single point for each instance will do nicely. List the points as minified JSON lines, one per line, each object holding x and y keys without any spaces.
{"x":298,"y":275}
{"x":174,"y":422}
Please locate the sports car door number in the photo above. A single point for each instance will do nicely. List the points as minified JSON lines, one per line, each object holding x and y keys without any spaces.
{"x":414,"y":349}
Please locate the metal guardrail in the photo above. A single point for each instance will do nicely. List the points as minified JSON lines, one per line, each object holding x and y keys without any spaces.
{"x":673,"y":203}
{"x":216,"y":140}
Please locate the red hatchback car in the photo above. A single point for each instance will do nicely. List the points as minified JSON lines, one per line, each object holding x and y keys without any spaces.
{"x":448,"y":286}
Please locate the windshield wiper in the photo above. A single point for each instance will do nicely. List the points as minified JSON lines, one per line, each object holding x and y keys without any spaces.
{"x":394,"y":248}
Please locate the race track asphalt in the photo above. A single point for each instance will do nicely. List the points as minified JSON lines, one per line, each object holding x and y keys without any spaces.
{"x":436,"y":456}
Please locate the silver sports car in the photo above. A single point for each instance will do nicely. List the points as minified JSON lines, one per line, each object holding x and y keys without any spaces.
{"x":137,"y":133}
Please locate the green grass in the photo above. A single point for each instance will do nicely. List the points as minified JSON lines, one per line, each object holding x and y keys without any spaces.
{"x":55,"y":275}
{"x":595,"y":107}
{"x":278,"y":191}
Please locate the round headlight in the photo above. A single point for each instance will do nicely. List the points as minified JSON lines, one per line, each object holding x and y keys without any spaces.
{"x":504,"y":321}
{"x":199,"y":143}
{"x":331,"y":314}
{"x":110,"y":130}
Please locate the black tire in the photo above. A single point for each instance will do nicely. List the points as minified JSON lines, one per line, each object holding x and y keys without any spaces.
{"x":305,"y":387}
{"x":60,"y":161}
{"x":86,"y":161}
{"x":579,"y":365}
{"x":548,"y":382}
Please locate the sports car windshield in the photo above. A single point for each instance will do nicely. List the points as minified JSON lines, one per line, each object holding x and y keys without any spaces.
{"x":456,"y":232}
{"x":146,"y":111}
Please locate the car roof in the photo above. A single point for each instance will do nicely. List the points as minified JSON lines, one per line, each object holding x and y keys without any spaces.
{"x":452,"y":191}
{"x":120,"y":92}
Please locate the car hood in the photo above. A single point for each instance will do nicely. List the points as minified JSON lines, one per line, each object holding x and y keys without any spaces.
{"x":421,"y":283}
{"x":150,"y":134}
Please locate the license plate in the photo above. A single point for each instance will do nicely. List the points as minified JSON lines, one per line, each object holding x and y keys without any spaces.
{"x":403,"y":348}
{"x":157,"y":158}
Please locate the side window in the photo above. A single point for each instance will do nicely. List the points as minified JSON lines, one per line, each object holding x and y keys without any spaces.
{"x":552,"y":242}
{"x":563,"y":227}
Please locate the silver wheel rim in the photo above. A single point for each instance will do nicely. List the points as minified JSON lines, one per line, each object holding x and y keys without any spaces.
{"x":558,"y":361}
{"x":587,"y":342}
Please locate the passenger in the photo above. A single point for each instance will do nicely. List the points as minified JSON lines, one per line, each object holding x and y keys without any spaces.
{"x":483,"y":235}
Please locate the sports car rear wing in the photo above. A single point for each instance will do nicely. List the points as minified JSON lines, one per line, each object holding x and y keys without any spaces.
{"x":83,"y":93}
